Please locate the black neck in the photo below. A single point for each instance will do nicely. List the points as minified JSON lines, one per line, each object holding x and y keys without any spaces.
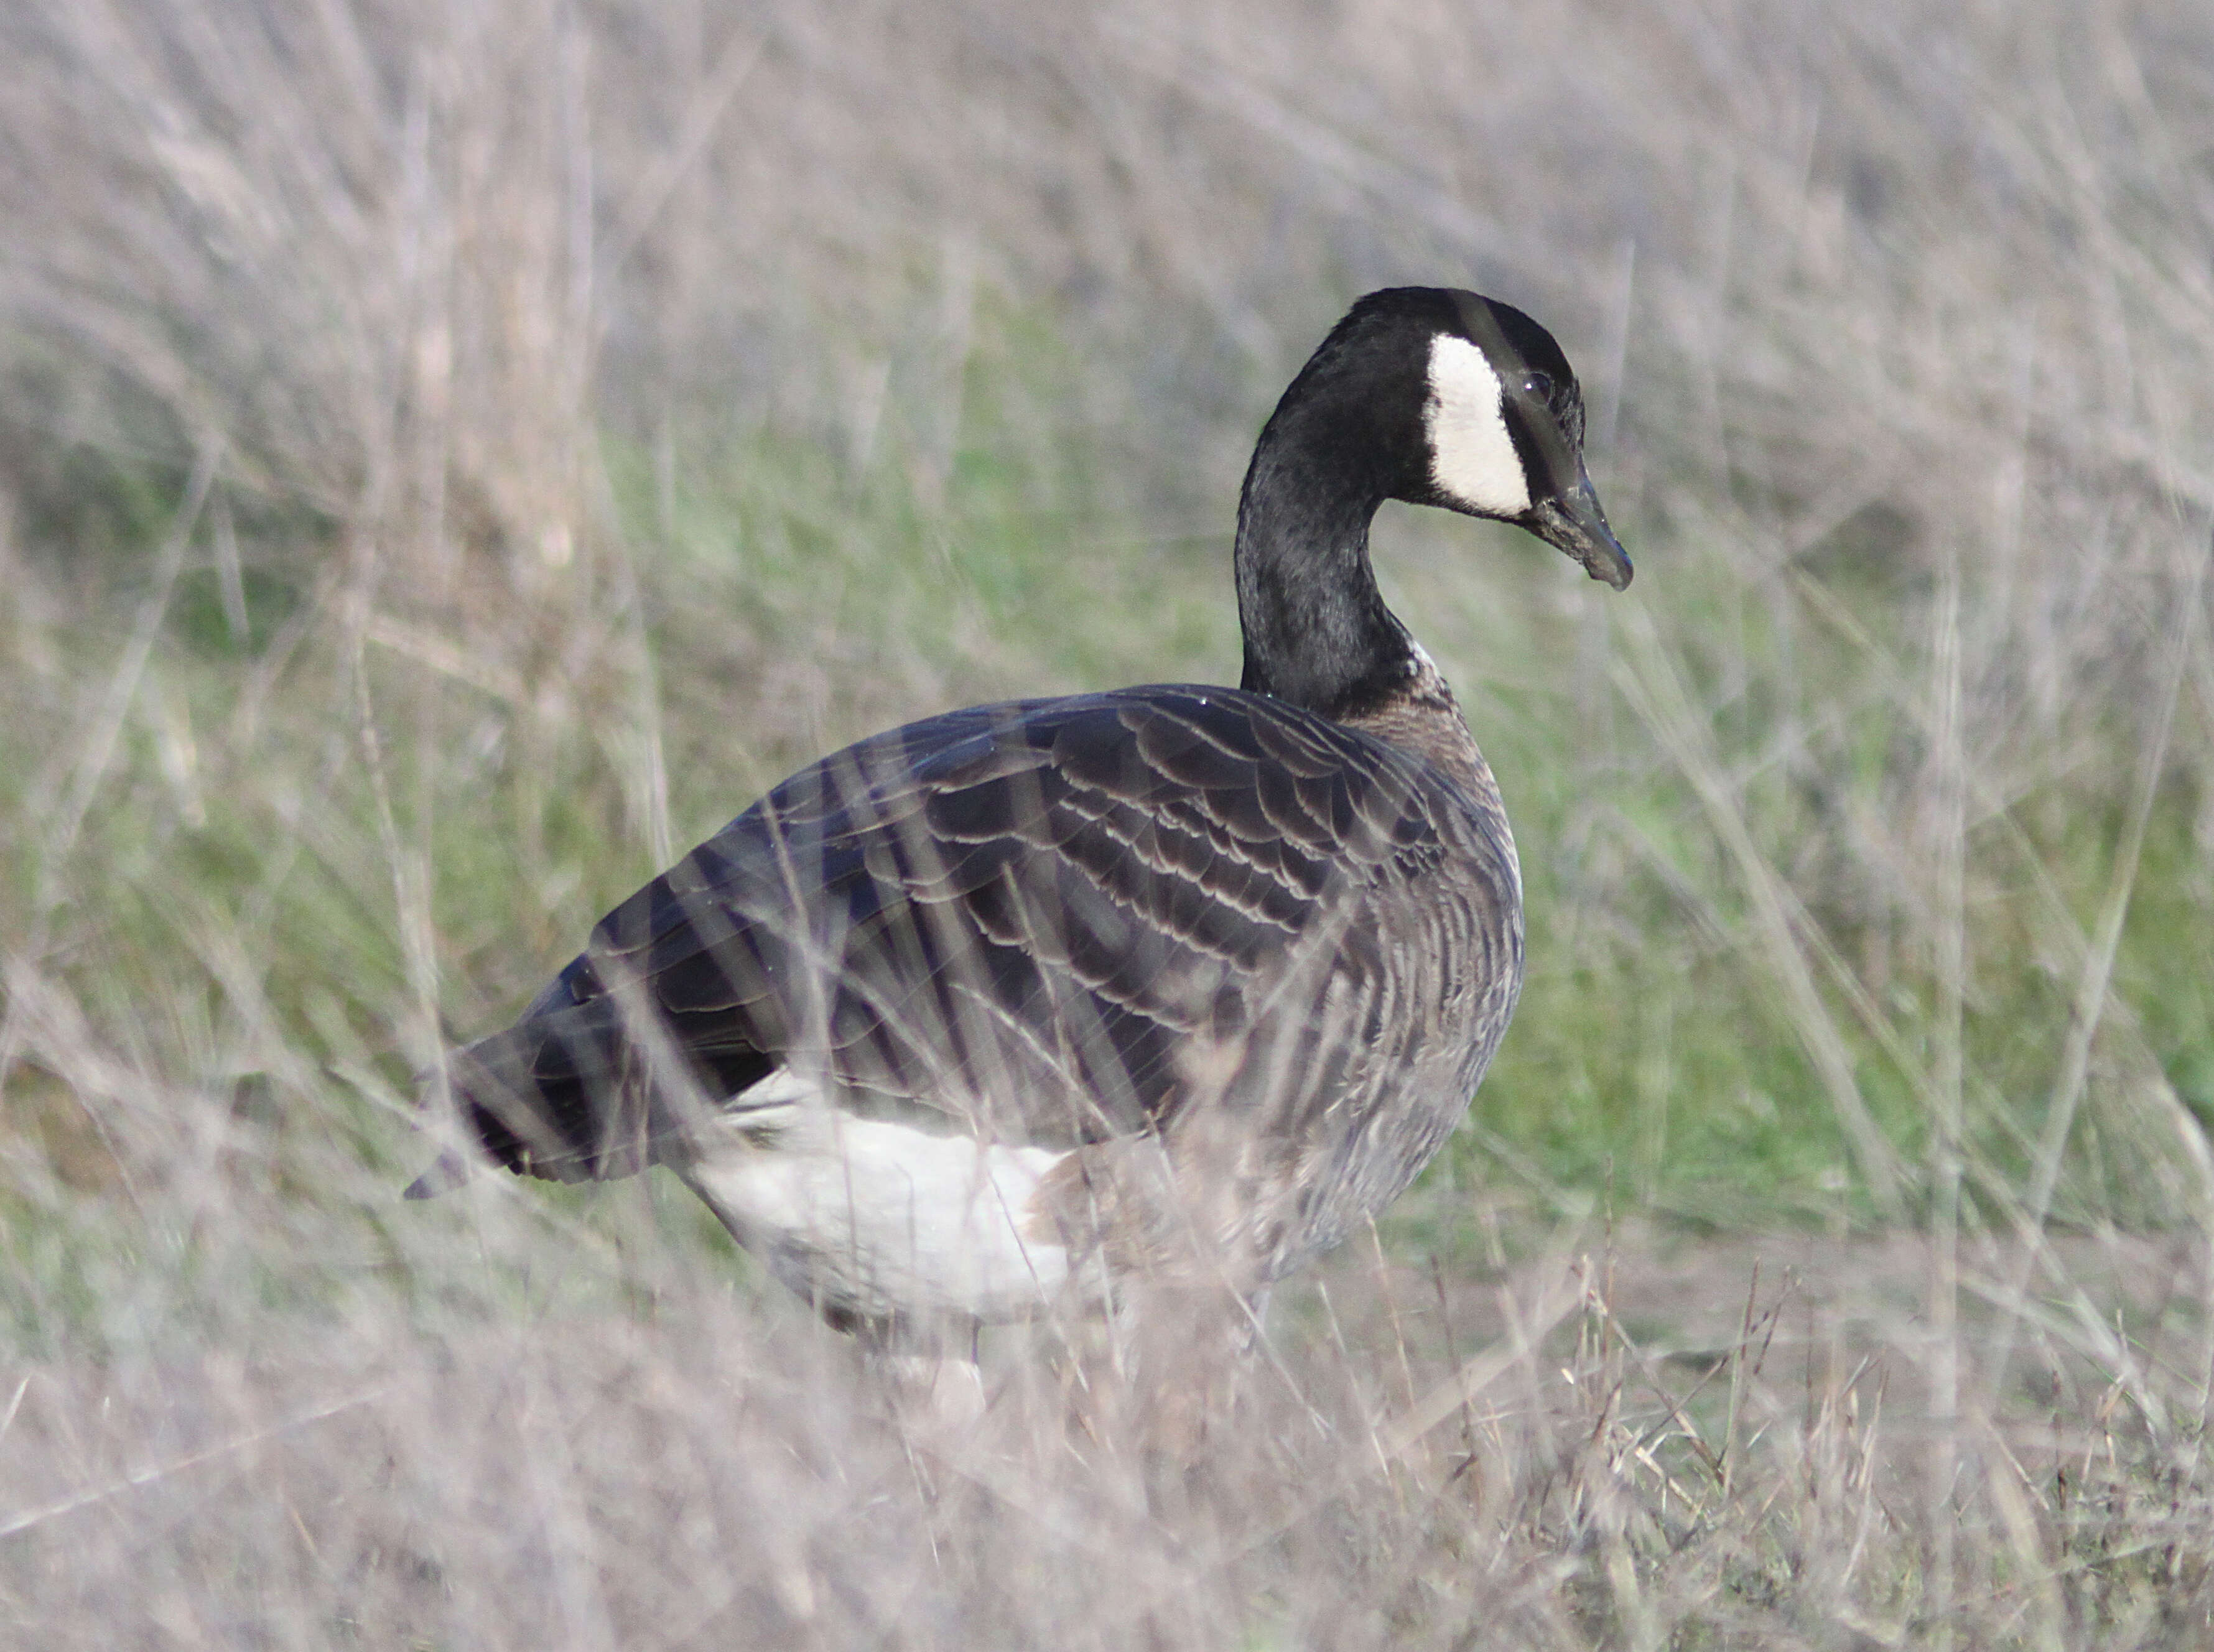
{"x":1317,"y":631}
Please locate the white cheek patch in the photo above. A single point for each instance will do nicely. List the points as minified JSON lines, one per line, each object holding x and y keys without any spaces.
{"x":1472,"y":457}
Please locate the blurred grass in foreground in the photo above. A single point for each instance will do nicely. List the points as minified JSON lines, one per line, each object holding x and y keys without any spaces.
{"x":456,"y":458}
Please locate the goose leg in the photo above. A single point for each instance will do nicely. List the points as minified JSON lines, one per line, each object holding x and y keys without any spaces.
{"x":934,"y":1377}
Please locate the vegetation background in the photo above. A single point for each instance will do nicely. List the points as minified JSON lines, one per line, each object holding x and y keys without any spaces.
{"x":453,"y":456}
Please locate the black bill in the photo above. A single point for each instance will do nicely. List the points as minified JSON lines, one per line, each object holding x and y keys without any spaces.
{"x":1574,"y":525}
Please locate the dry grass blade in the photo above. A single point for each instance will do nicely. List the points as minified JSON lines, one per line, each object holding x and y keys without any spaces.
{"x":2099,"y":962}
{"x":23,"y":1520}
{"x":1481,"y":1372}
{"x":452,"y":456}
{"x":1656,"y":693}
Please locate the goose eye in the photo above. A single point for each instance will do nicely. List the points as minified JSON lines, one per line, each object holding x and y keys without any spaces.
{"x":1539,"y":385}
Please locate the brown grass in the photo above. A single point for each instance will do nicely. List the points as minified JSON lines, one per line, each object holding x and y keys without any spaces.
{"x":455,"y":454}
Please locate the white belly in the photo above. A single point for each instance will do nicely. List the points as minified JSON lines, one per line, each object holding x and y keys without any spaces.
{"x":878,"y":1217}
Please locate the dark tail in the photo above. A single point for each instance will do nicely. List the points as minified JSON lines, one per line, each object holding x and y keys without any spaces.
{"x":567,"y":1094}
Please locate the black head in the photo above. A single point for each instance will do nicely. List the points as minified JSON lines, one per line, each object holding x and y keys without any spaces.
{"x":1442,"y":397}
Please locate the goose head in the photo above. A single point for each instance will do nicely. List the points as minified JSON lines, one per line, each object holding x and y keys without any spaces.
{"x":1447,"y":398}
{"x":1426,"y":395}
{"x":1503,"y":424}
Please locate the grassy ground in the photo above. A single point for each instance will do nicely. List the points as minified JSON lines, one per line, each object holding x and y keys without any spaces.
{"x":457,"y":459}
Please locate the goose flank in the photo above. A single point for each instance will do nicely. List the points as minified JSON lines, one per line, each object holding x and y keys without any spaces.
{"x":998,"y":1010}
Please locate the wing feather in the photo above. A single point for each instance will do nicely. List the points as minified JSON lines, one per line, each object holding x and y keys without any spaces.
{"x":1021,"y":915}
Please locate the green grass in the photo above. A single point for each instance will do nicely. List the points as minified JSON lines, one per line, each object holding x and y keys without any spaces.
{"x":601,"y":415}
{"x":788,"y":601}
